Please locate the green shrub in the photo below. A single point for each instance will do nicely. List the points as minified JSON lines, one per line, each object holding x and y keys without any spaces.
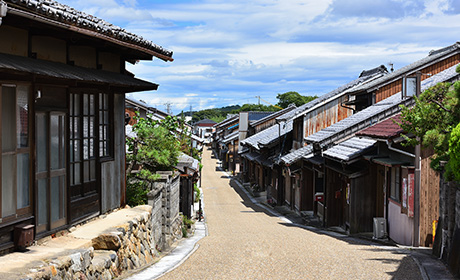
{"x":136,"y":192}
{"x":186,"y":224}
{"x":197,"y":193}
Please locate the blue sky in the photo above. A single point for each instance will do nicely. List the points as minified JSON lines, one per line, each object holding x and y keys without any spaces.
{"x":229,"y":52}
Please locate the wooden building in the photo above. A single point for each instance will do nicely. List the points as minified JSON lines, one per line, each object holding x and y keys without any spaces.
{"x":308,"y":119}
{"x":375,"y":177}
{"x":378,"y":90}
{"x":62,"y":94}
{"x":259,"y":145}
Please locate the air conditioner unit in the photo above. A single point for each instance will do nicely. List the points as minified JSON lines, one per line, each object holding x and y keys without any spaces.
{"x":380,"y":228}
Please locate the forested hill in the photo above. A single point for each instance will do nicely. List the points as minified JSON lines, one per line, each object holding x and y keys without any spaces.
{"x":220,"y":114}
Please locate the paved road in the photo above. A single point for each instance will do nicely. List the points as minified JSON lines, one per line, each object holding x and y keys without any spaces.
{"x":247,"y":242}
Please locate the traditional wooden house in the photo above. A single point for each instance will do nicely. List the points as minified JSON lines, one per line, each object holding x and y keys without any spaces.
{"x":378,"y":90}
{"x":261,"y":153}
{"x":221,"y":130}
{"x":376,"y":176}
{"x":373,"y":86}
{"x":62,"y":90}
{"x":230,"y":161}
{"x":204,"y":129}
{"x":226,"y":144}
{"x":256,"y":165}
{"x":132,"y":106}
{"x":303,"y":180}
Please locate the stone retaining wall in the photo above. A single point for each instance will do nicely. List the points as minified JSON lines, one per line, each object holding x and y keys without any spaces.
{"x":127,"y":246}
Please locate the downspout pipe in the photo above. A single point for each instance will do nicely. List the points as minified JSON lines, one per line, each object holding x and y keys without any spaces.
{"x":3,"y":10}
{"x":389,"y":143}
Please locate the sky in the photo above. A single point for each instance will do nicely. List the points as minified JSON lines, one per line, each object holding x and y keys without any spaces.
{"x":228,"y":52}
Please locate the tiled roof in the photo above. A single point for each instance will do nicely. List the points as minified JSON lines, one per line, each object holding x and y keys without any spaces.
{"x":268,"y":135}
{"x":233,"y":118}
{"x":196,"y":138}
{"x":433,"y":56}
{"x":359,"y":121}
{"x":250,"y":156}
{"x":274,"y":115}
{"x":63,"y":14}
{"x":43,"y":68}
{"x":297,"y":155}
{"x":231,"y":137}
{"x":386,"y":129}
{"x":350,"y":149}
{"x":373,"y":114}
{"x":364,"y":78}
{"x":256,"y":116}
{"x":205,"y":122}
{"x":187,"y":161}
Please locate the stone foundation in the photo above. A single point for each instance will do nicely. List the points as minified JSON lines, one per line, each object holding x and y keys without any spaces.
{"x":127,"y":246}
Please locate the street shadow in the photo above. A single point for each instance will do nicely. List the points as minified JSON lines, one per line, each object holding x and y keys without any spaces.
{"x":407,"y":268}
{"x":246,"y":201}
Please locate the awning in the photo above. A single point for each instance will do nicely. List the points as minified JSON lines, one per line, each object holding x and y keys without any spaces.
{"x":386,"y":161}
{"x":264,"y":160}
{"x":351,"y":171}
{"x":77,"y":76}
{"x":350,"y":149}
{"x":251,"y":156}
{"x":316,"y":160}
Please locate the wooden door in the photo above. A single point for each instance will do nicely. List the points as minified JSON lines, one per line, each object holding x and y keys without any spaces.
{"x":51,"y":174}
{"x":84,"y":146}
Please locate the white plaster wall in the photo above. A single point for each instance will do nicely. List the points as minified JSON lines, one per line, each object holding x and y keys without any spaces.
{"x":400,"y":226}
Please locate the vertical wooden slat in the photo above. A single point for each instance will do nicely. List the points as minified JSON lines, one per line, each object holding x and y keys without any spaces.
{"x":1,"y":149}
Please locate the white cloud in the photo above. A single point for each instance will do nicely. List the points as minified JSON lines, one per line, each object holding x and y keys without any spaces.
{"x":227,"y":52}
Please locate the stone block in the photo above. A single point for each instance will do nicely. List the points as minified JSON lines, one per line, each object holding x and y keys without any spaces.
{"x":76,"y":262}
{"x":108,"y":241}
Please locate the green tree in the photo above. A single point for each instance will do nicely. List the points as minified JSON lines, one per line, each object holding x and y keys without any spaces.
{"x":293,"y":97}
{"x":256,"y":108}
{"x":454,"y":153}
{"x":154,"y":148}
{"x":432,"y":121}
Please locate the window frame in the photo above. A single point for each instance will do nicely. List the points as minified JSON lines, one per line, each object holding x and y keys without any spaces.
{"x":109,"y":140}
{"x":395,"y":183}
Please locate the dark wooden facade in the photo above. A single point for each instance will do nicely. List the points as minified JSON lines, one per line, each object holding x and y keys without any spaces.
{"x":62,"y":119}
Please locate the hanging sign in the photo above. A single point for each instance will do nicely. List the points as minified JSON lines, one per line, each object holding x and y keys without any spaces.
{"x":411,"y":189}
{"x":404,"y":193}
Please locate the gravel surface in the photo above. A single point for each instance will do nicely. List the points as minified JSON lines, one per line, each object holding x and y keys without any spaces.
{"x":245,"y":242}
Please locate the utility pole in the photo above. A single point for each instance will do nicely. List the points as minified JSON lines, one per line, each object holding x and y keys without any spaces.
{"x":168,"y":107}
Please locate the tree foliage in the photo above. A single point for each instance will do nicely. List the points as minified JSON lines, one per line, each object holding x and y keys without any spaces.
{"x":153,"y":148}
{"x":257,"y":108}
{"x":454,"y":152}
{"x":432,"y":121}
{"x":220,"y":114}
{"x":293,"y":97}
{"x":215,"y":114}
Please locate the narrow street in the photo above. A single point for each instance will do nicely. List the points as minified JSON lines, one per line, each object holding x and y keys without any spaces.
{"x":247,"y":242}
